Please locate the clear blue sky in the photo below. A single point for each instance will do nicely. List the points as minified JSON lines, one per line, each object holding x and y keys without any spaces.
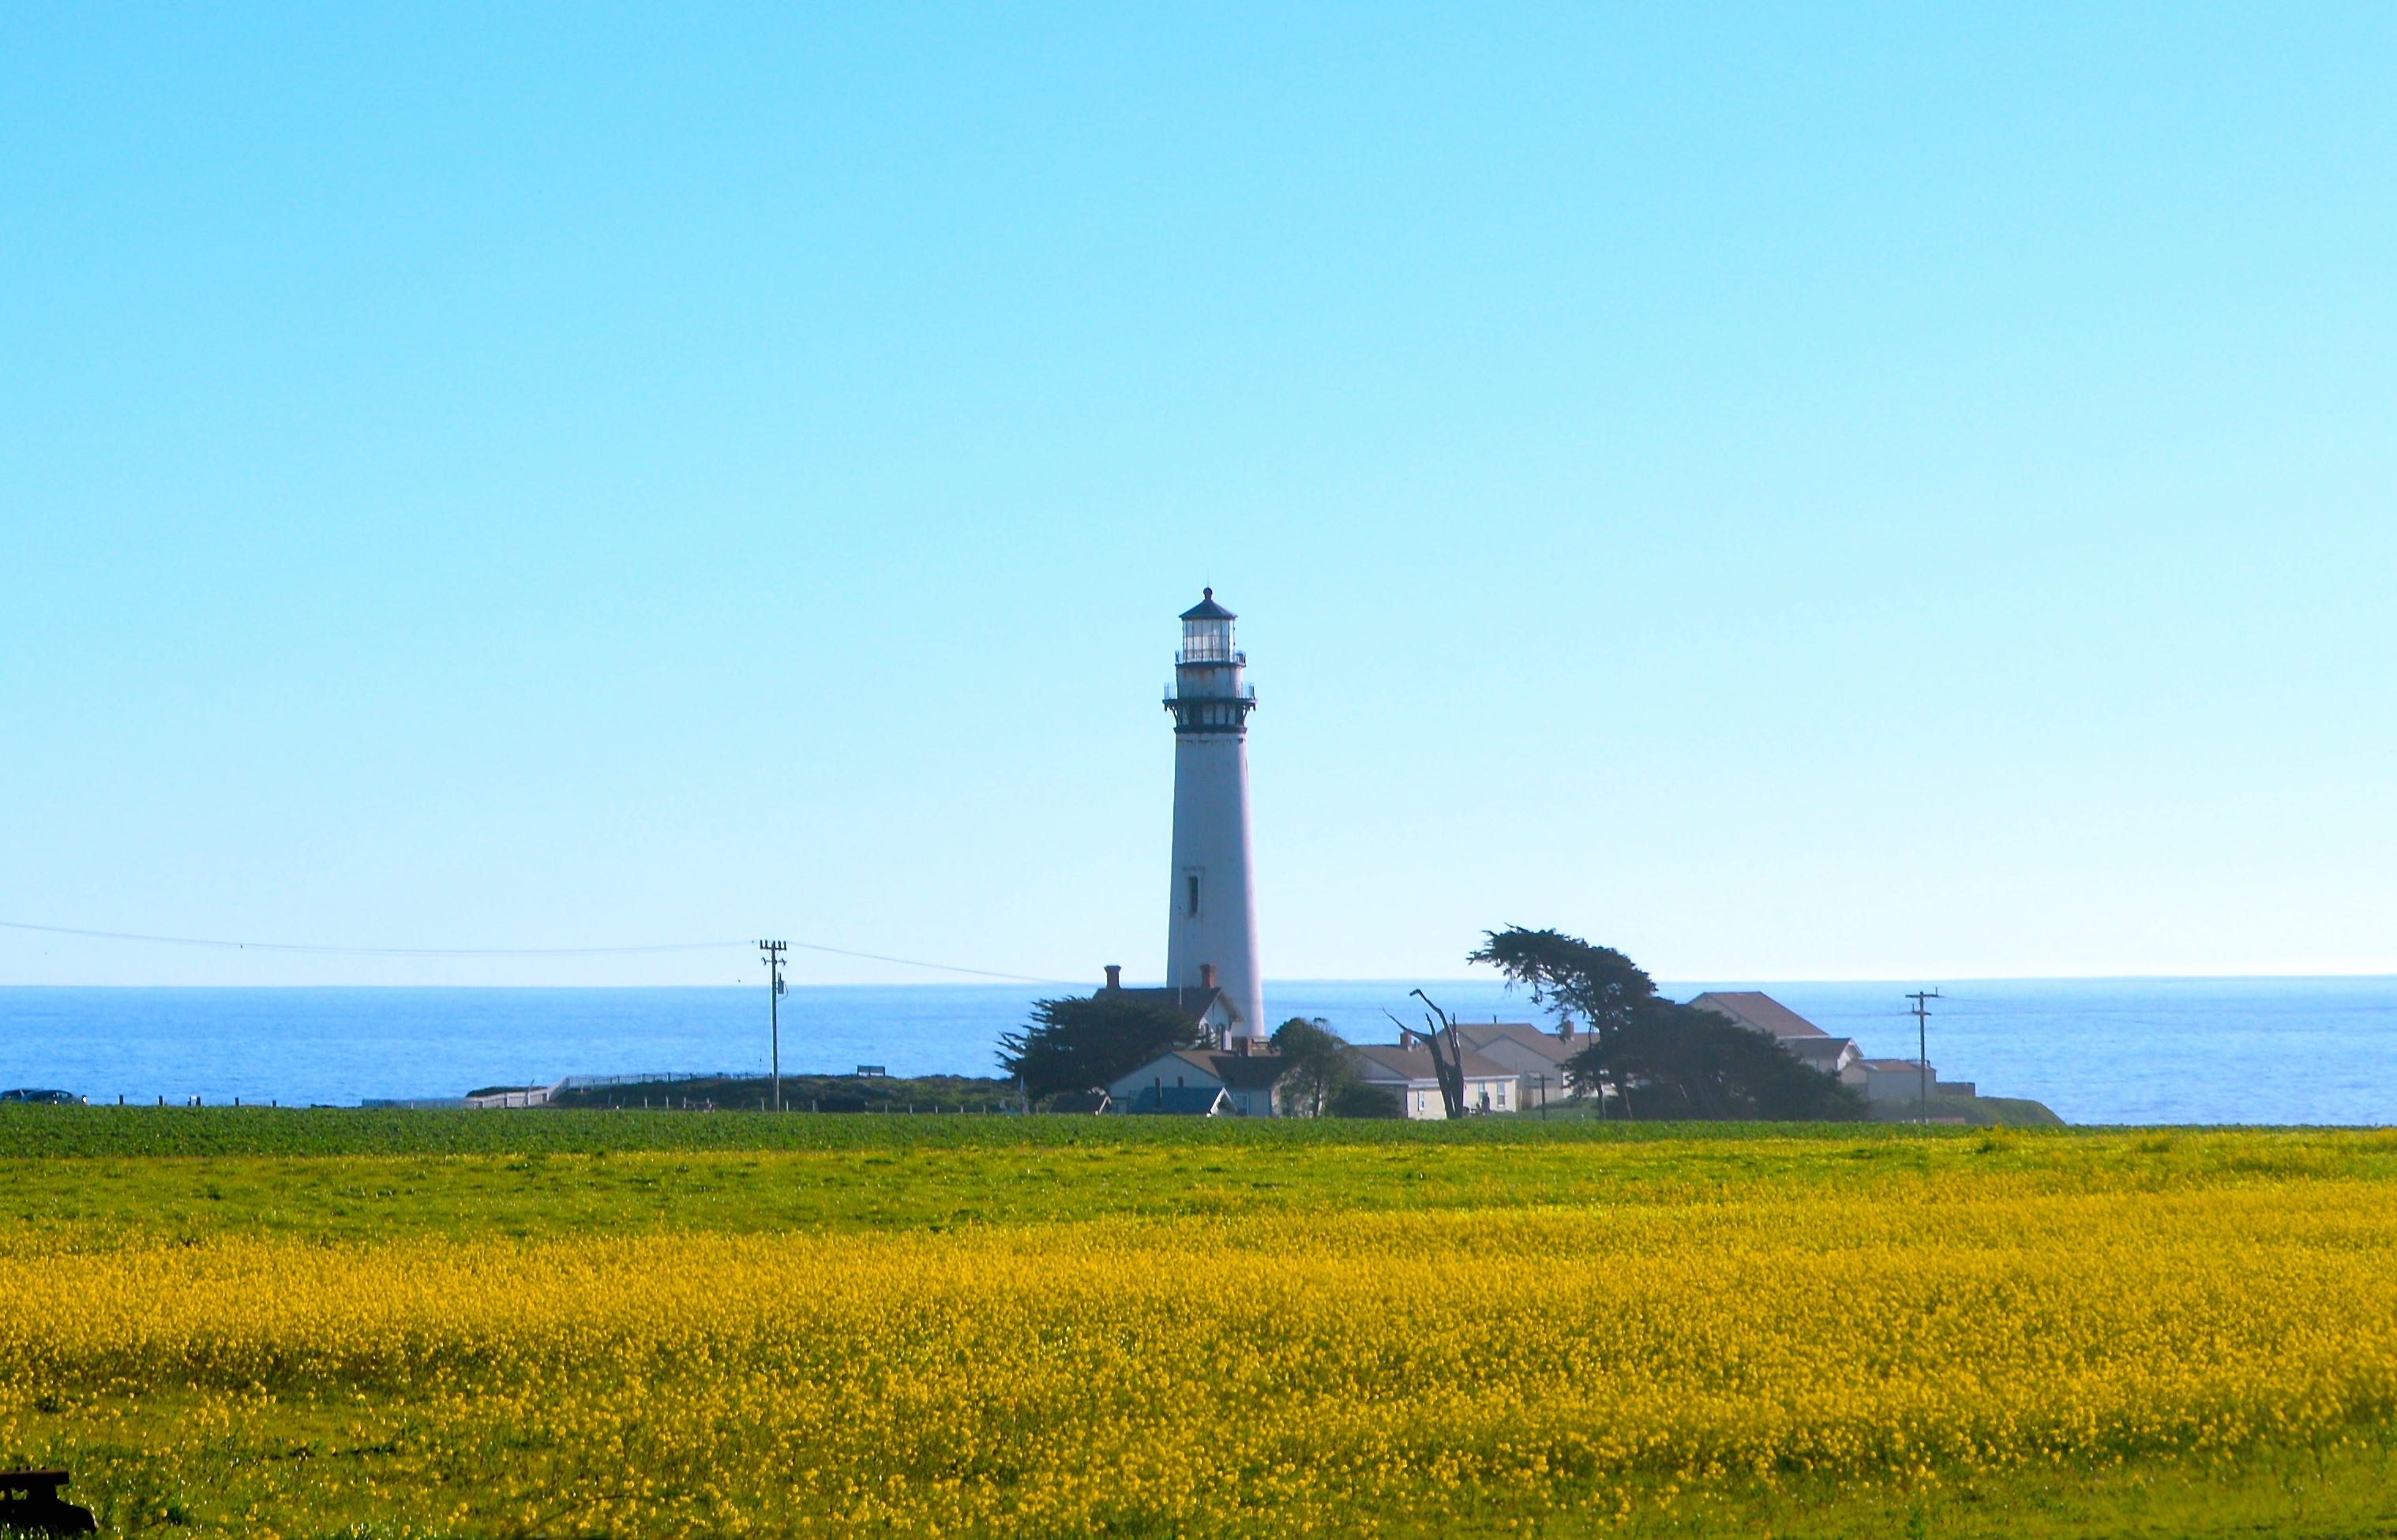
{"x":1905,"y":492}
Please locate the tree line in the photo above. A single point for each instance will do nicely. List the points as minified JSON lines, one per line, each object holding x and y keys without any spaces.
{"x":1644,"y":1055}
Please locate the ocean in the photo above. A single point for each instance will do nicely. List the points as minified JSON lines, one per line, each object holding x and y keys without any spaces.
{"x":2098,"y":1050}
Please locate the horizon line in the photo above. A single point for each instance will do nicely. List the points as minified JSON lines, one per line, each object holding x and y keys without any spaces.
{"x":1718,"y":980}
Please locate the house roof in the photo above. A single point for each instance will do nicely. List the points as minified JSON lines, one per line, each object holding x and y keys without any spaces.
{"x":1893,"y":1066}
{"x":1757,"y":1011}
{"x":1208,"y":610}
{"x":1386,"y":1062}
{"x":1236,"y":1071}
{"x":1191,"y":1001}
{"x":1825,"y":1049}
{"x":1539,"y":1039}
{"x":1179,"y":1101}
{"x":1250,"y":1071}
{"x":1233,"y":1071}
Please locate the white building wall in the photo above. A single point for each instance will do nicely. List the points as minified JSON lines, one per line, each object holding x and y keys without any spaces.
{"x":1491,"y":1094}
{"x":1171,"y":1071}
{"x":1528,"y":1066}
{"x":1211,"y":846}
{"x":1166,"y":1073}
{"x":1893,"y":1085}
{"x":1421,"y":1099}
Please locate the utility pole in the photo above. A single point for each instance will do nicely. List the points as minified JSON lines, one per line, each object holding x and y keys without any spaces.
{"x":772,"y":951}
{"x":1923,"y":998}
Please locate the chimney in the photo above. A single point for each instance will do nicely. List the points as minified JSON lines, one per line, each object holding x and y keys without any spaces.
{"x":1115,"y":977}
{"x":1206,"y":975}
{"x":1564,"y":1028}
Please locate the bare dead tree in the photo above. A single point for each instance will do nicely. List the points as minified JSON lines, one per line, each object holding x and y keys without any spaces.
{"x":1447,"y":1055}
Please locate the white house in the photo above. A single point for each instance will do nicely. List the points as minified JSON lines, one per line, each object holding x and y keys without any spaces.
{"x":1902,"y":1081}
{"x":1179,"y":1102}
{"x":1245,"y":1076}
{"x":1410,"y":1073}
{"x":1535,"y":1055}
{"x":1206,"y":1004}
{"x":1833,"y":1056}
{"x":1808,"y":1044}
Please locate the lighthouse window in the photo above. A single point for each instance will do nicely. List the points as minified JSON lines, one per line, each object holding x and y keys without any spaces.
{"x":1191,"y":881}
{"x":1206,"y":641}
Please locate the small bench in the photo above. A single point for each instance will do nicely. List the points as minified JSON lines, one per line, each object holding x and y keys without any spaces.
{"x":41,"y":1507}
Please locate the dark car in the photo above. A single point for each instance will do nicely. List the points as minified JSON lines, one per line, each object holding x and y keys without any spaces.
{"x":41,"y":1098}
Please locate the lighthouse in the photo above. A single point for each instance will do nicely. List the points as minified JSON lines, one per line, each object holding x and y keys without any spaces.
{"x":1212,"y":938}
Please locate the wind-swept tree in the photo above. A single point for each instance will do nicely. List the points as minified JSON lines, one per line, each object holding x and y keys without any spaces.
{"x":1656,"y":1057}
{"x":1673,"y":1061}
{"x":1086,"y":1040}
{"x":1573,"y":978}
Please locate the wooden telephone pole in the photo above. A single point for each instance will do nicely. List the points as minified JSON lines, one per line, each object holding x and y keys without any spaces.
{"x":1923,"y":998}
{"x":772,"y":951}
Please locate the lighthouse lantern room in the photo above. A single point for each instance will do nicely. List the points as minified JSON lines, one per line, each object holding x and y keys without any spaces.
{"x":1212,"y":936}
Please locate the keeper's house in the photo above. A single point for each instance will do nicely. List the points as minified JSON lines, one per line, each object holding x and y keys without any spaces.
{"x":1181,"y":1101}
{"x":1188,"y":1079}
{"x":1204,"y":1004}
{"x":1535,"y":1055}
{"x":1408,"y":1070}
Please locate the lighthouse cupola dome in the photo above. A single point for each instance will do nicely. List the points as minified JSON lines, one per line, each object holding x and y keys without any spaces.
{"x":1207,"y":608}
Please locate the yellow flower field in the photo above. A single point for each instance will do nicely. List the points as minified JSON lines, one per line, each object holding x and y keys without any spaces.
{"x":1548,"y":1365}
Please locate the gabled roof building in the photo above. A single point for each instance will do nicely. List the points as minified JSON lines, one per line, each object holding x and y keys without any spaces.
{"x":1247,"y":1078}
{"x":1808,"y":1044}
{"x":1181,"y":1102}
{"x":1409,"y":1071}
{"x":1205,"y":1005}
{"x":1757,"y":1011}
{"x":1535,"y":1055}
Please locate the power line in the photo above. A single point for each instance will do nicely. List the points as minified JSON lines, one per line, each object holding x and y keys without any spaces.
{"x":504,"y":951}
{"x":371,"y":951}
{"x":941,"y":967}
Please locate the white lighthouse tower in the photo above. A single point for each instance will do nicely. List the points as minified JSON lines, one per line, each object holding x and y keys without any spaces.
{"x":1214,"y":935}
